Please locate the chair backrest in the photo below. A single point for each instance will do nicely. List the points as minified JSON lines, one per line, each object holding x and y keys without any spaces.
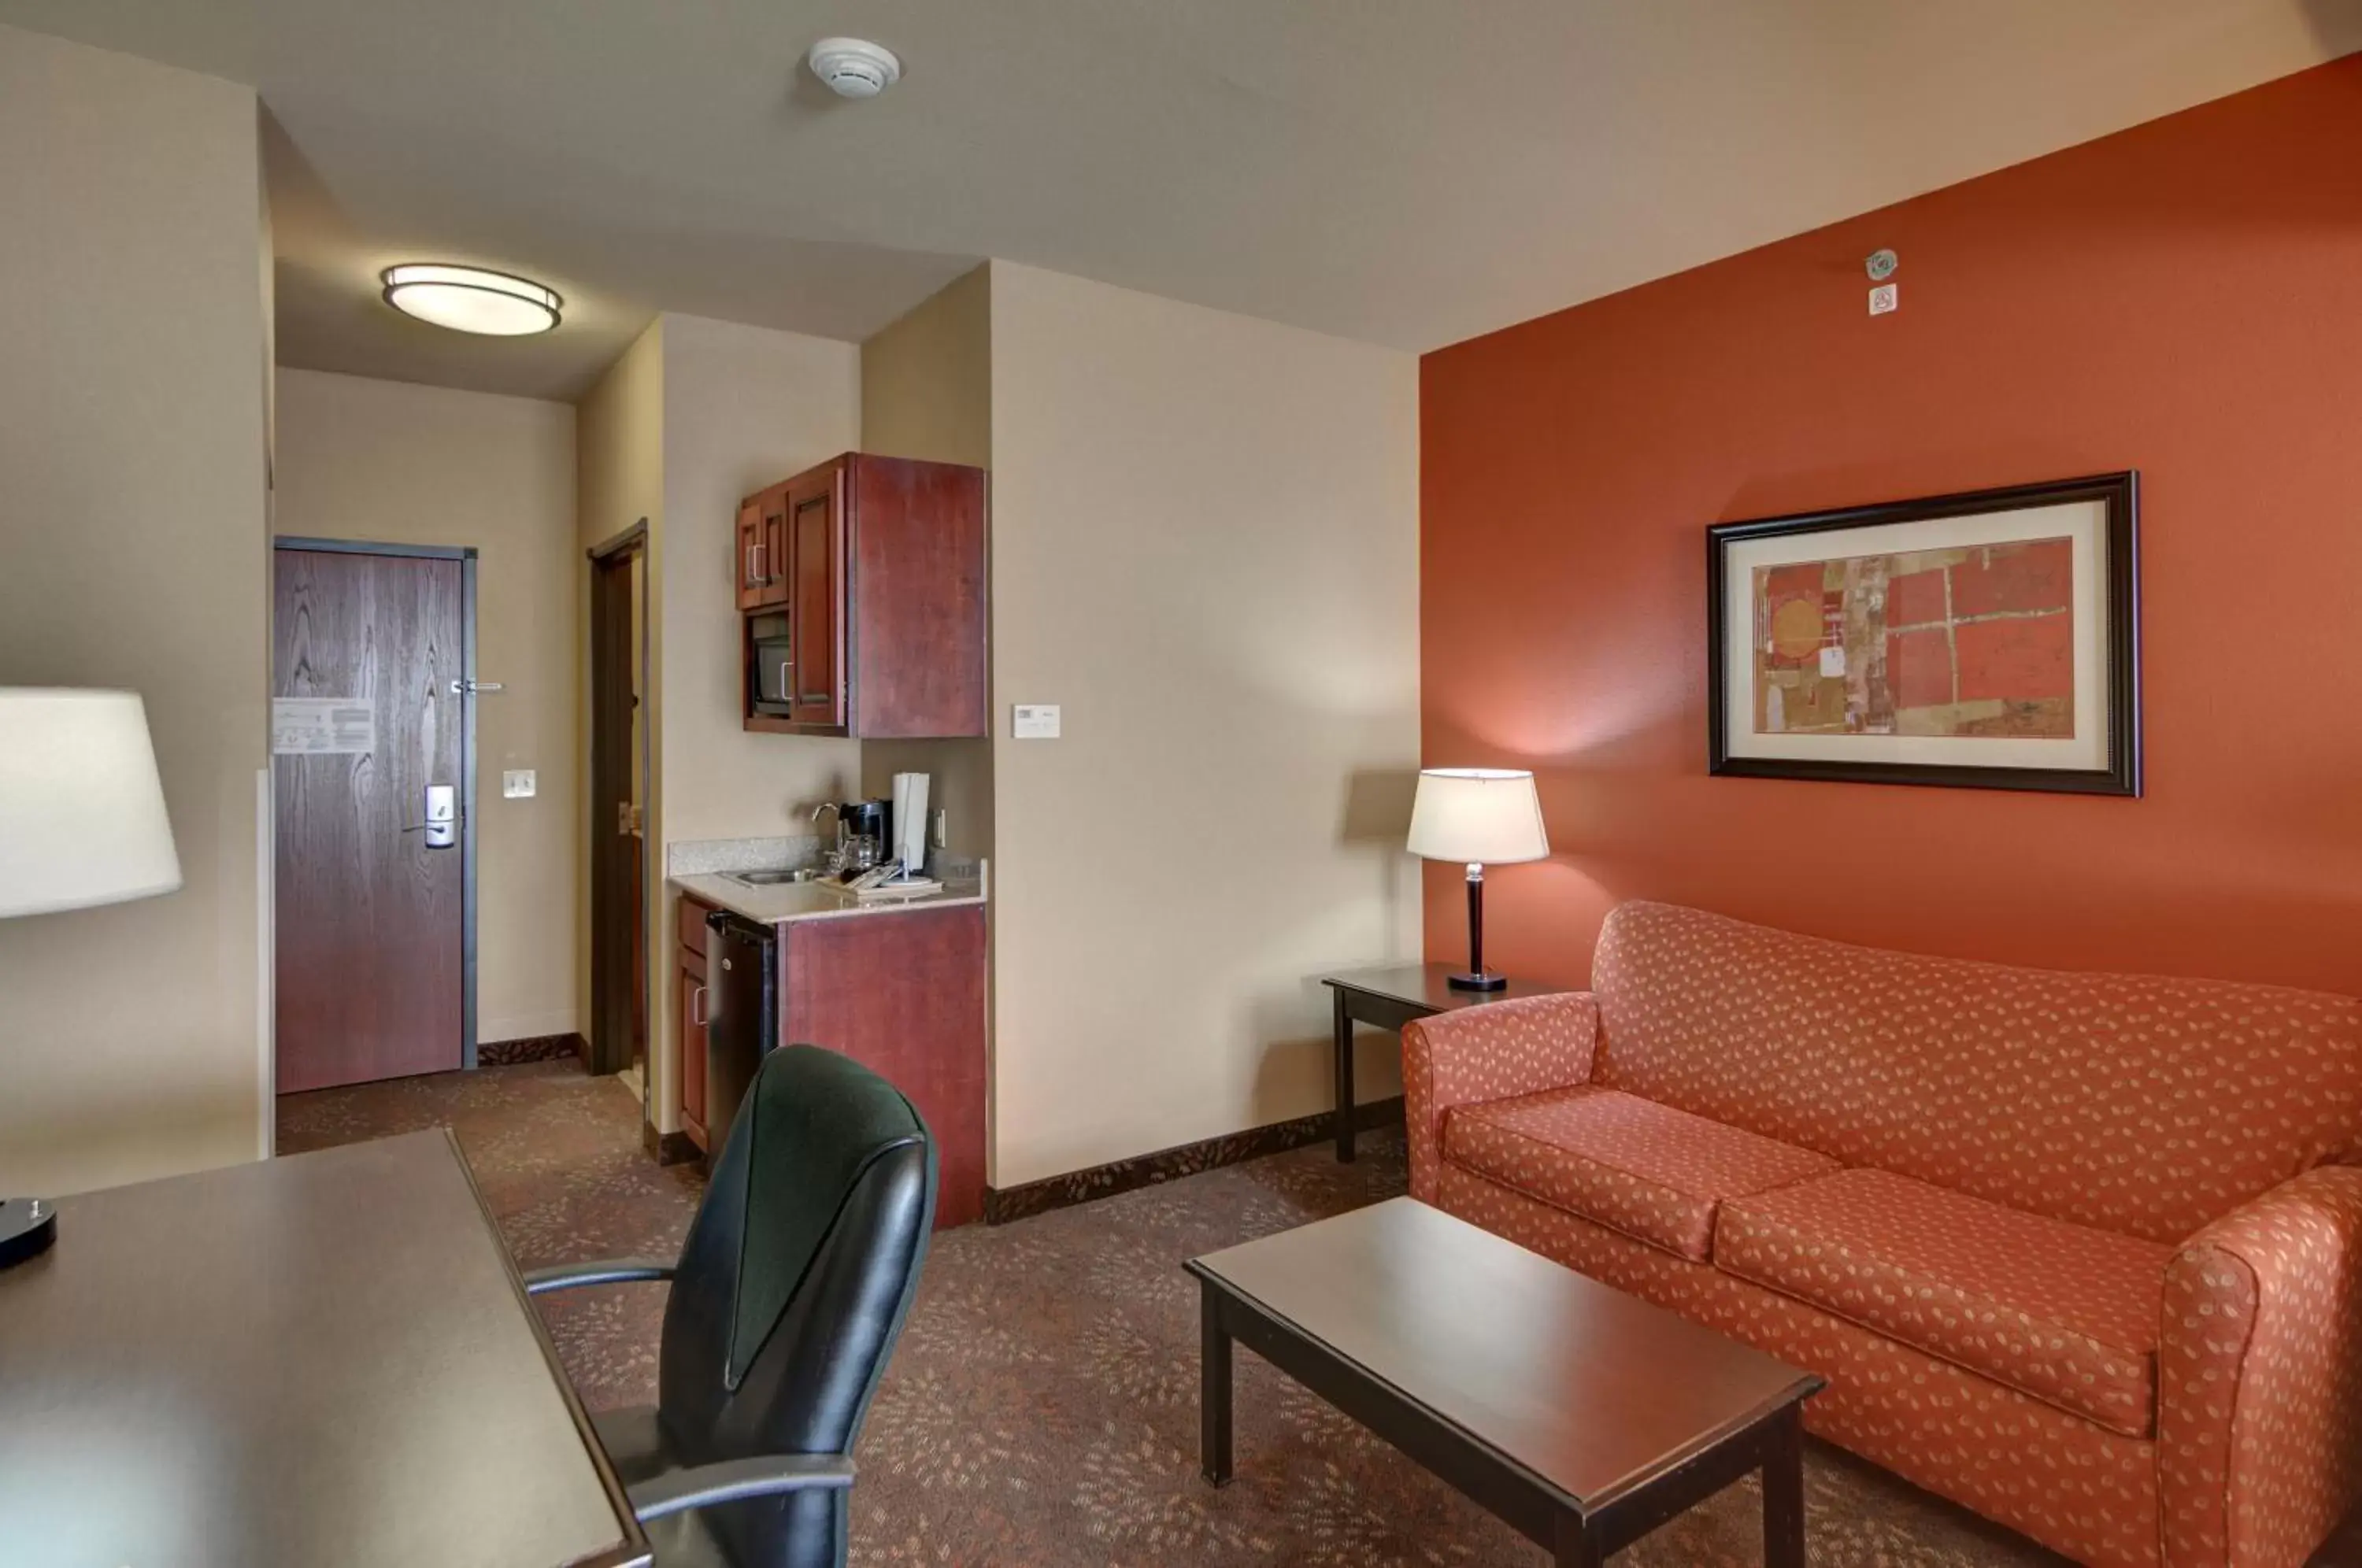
{"x":2135,"y":1103}
{"x":794,"y":1282}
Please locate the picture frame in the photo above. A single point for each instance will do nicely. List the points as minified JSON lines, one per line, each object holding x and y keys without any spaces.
{"x":1987,"y":639}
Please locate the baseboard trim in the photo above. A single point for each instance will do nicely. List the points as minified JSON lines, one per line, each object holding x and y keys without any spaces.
{"x":1003,"y":1204}
{"x":669,"y":1148}
{"x":532,"y":1048}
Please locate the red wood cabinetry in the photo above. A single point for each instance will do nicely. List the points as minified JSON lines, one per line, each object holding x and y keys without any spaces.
{"x":762,"y":555}
{"x":903,"y":995}
{"x":690,"y":1001}
{"x":877,"y":586}
{"x":900,"y":991}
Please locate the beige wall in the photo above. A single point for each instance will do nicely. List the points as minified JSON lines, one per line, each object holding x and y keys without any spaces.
{"x":1205,"y":548}
{"x":698,"y":413}
{"x":926,"y":393}
{"x":619,"y":481}
{"x":133,"y":526}
{"x":394,"y":463}
{"x":743,"y":406}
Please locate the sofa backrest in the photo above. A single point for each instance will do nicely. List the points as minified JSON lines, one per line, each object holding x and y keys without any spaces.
{"x":2133,"y":1103}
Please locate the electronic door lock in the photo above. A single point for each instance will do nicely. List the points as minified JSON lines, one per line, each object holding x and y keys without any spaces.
{"x":442,"y":824}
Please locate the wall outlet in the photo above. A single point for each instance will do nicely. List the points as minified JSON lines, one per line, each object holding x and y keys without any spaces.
{"x":1882,"y":299}
{"x":516,"y":783}
{"x":1034,"y":720}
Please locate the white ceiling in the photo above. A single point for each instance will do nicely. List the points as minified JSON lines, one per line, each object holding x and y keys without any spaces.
{"x":1407,"y":172}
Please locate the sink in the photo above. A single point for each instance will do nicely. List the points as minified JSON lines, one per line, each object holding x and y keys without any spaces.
{"x":773,"y":878}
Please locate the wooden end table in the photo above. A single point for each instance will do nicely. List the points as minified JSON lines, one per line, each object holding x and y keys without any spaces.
{"x":1583,"y":1417}
{"x":1390,"y":998}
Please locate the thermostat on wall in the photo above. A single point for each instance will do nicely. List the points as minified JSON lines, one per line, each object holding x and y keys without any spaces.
{"x":1034,"y":720}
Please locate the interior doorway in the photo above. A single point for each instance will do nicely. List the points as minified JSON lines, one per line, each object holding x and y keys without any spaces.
{"x":619,"y":789}
{"x":373,"y":778}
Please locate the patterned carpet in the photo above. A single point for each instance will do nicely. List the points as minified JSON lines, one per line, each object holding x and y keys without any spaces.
{"x":1042,"y":1407}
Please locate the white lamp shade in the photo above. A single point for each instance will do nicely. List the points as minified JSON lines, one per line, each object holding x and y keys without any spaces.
{"x":1485,"y":816}
{"x":81,"y":811}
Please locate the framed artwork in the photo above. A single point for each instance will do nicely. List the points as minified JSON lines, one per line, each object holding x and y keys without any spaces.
{"x":1990,"y":639}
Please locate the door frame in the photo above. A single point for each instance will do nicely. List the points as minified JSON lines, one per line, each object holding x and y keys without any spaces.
{"x":466,"y":555}
{"x":614,"y":552}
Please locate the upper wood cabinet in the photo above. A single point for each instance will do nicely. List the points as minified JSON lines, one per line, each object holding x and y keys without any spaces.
{"x":871,"y":572}
{"x":761,"y":554}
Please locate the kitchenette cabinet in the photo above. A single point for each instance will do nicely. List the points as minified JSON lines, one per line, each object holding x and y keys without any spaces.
{"x":861,"y":586}
{"x":899,"y":988}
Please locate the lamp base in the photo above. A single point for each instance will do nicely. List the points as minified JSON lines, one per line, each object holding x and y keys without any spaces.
{"x":27,"y":1225}
{"x":1465,"y":981}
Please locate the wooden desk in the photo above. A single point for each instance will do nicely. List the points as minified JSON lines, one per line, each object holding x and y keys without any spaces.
{"x":1390,"y":998}
{"x":326,"y":1358}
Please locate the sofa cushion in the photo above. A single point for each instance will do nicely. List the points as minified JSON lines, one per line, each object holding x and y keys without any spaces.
{"x":1645,"y":1169}
{"x":2060,"y":1312}
{"x":2137,"y":1103}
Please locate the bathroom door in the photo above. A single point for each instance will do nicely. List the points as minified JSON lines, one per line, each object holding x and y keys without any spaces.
{"x":369,"y":736}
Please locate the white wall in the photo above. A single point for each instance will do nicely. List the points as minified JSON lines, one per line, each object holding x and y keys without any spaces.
{"x":926,"y":393}
{"x":1206,"y":549}
{"x":737,"y":408}
{"x":395,"y":463}
{"x":619,"y":481}
{"x":743,"y":407}
{"x":134,"y":533}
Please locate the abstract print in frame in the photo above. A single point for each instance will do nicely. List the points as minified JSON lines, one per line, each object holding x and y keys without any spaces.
{"x":1989,"y":639}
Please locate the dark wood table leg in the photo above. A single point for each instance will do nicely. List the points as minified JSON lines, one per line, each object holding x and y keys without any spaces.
{"x":1578,"y":1547}
{"x":1214,"y":1388}
{"x":1784,"y":1492}
{"x":1344,"y":1078}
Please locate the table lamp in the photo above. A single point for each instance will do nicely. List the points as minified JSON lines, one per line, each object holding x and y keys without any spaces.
{"x":1479,"y":816}
{"x":81,"y":822}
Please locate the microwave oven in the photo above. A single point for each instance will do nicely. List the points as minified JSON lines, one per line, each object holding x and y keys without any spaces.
{"x":775,"y":668}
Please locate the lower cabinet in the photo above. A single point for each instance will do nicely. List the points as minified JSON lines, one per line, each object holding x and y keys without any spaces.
{"x":692,"y":1049}
{"x":691,"y":1001}
{"x":901,"y":992}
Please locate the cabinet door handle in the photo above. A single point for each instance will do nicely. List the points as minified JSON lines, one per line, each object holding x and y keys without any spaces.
{"x":697,"y":1007}
{"x":752,"y":575}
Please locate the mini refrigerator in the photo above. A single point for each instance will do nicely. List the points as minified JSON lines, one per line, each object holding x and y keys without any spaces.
{"x":742,"y":978}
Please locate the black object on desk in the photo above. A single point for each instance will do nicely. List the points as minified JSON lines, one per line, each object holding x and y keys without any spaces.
{"x":1392,"y":997}
{"x":28,"y":1226}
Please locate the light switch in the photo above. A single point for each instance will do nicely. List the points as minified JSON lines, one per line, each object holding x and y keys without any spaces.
{"x":516,"y":783}
{"x":1035,"y":720}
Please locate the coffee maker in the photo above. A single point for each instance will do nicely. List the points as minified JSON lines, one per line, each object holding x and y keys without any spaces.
{"x":865,"y":833}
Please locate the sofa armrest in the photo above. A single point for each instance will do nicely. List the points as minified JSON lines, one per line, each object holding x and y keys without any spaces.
{"x":2259,"y":1376}
{"x":1495,"y":1051}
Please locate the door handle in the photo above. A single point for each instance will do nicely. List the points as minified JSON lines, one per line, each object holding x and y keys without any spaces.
{"x":697,"y":1007}
{"x":442,"y":824}
{"x":470,"y":687}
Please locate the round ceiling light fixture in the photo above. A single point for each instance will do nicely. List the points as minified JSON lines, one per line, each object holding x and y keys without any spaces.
{"x":468,"y":299}
{"x":855,"y":68}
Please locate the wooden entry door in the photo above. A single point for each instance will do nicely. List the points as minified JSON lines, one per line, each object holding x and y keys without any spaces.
{"x":371,"y":918}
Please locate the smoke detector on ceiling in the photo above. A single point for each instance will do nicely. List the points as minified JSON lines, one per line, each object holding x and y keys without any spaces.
{"x":855,"y":68}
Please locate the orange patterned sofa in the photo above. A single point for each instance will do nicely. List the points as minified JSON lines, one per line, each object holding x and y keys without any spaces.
{"x":2071,"y":1248}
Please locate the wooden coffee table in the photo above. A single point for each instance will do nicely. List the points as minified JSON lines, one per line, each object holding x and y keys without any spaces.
{"x":1583,"y":1416}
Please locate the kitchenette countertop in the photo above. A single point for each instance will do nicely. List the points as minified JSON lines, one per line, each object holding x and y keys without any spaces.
{"x":779,"y":903}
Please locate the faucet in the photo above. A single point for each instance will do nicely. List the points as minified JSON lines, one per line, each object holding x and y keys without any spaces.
{"x":836,"y":855}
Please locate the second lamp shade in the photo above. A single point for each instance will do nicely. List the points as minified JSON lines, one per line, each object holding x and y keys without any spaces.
{"x":1485,"y":816}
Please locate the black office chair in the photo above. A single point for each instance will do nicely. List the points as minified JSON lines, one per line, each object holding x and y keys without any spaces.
{"x":789,"y":1294}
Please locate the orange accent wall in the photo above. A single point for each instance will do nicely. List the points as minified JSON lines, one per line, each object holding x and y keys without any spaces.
{"x":2184,"y":298}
